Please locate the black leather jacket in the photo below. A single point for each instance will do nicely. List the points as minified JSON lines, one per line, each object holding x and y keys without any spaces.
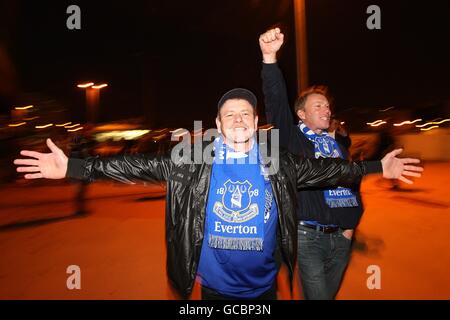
{"x":187,"y":193}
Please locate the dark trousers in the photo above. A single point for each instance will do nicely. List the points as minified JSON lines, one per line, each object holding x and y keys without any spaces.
{"x":210,"y":294}
{"x":322,"y":260}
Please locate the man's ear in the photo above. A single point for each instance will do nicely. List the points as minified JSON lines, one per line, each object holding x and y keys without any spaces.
{"x":301,"y":114}
{"x":256,"y":122}
{"x":218,"y":124}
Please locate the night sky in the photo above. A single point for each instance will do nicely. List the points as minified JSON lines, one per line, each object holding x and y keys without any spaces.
{"x":170,"y":61}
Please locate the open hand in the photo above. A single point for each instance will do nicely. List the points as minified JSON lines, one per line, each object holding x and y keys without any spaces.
{"x":51,"y":165}
{"x":398,"y":168}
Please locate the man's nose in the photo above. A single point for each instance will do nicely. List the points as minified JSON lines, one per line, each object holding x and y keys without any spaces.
{"x":238,"y":118}
{"x":326,"y":111}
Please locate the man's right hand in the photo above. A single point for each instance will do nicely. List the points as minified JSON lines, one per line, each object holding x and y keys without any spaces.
{"x":270,"y":42}
{"x":43,"y":165}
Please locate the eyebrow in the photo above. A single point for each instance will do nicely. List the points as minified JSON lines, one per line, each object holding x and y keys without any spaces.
{"x":321,"y":102}
{"x":238,"y":111}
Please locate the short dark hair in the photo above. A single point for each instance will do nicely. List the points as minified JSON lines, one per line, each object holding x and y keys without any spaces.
{"x":317,"y":89}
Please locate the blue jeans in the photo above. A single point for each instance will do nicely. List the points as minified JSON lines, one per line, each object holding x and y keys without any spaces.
{"x":322,"y":260}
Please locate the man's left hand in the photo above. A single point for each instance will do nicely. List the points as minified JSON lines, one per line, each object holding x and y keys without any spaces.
{"x":398,"y":168}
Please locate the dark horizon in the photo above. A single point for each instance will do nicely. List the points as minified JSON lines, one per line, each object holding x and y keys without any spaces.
{"x":170,"y":62}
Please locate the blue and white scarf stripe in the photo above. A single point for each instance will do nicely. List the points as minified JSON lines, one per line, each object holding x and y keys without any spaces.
{"x":326,"y":147}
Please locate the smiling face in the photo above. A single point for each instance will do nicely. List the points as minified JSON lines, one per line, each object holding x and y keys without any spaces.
{"x":316,"y":112}
{"x":237,"y":122}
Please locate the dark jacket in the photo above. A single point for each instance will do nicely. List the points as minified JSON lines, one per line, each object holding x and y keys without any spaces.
{"x":312,"y":205}
{"x":187,"y":193}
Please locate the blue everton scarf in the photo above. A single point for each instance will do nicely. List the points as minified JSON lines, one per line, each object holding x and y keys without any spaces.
{"x":236,"y":201}
{"x":326,"y":147}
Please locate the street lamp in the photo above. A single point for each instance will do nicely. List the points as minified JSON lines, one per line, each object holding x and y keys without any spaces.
{"x":92,"y":99}
{"x":301,"y":44}
{"x":85,"y":85}
{"x":100,"y":86}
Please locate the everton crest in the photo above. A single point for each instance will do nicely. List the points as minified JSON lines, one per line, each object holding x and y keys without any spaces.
{"x":236,"y":205}
{"x":325,"y":148}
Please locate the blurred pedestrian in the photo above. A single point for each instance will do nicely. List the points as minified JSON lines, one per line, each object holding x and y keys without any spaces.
{"x":80,"y":147}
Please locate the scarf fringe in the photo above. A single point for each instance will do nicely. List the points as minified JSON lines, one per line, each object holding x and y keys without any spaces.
{"x":342,"y":203}
{"x":219,"y":242}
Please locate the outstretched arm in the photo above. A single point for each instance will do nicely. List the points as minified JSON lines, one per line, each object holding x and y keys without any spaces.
{"x":124,"y":168}
{"x":333,"y":171}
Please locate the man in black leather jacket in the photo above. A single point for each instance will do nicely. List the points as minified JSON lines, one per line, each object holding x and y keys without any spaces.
{"x":207,"y":233}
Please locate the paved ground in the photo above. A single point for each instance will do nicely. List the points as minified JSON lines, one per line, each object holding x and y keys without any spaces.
{"x":120,"y":246}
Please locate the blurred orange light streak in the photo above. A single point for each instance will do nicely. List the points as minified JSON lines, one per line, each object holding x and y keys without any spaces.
{"x":180,"y":134}
{"x":24,"y":108}
{"x":100,"y":86}
{"x":16,"y":124}
{"x":442,"y":121}
{"x":72,"y":126}
{"x":432,"y":122}
{"x":159,"y":137}
{"x":85,"y":85}
{"x":427,"y":129}
{"x":73,"y":130}
{"x":44,"y":126}
{"x":406,"y":122}
{"x":63,"y":124}
{"x":378,"y":124}
{"x":267,"y":129}
{"x":375,"y":122}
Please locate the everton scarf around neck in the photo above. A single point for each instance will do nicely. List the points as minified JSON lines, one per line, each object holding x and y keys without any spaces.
{"x":236,"y":200}
{"x":326,"y":147}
